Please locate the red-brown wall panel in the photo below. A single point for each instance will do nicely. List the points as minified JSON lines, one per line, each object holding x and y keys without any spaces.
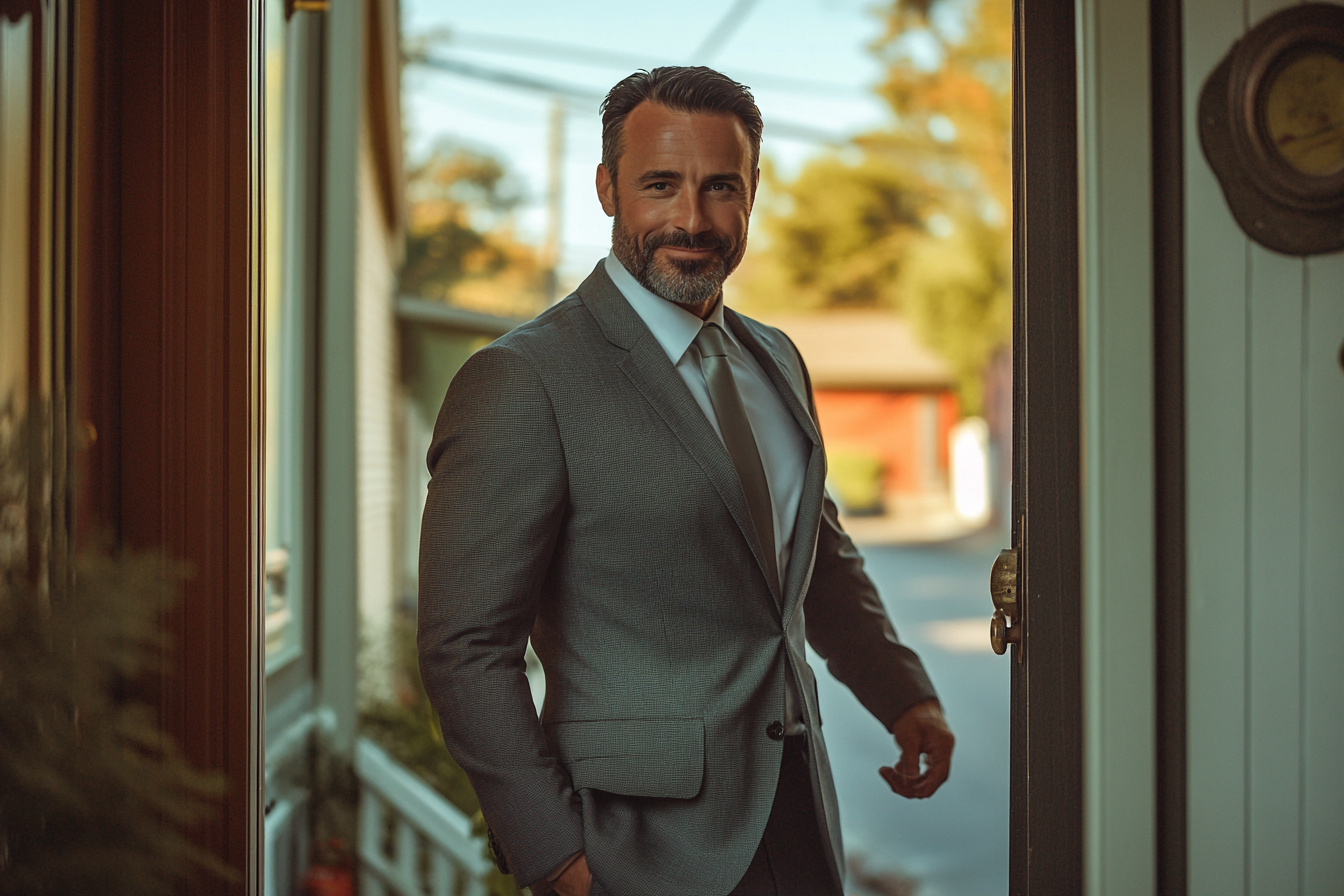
{"x":178,"y":98}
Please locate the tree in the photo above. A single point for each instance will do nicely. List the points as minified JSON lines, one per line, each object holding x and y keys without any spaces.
{"x":460,"y":246}
{"x":949,"y":82}
{"x":914,"y":217}
{"x":836,"y":236}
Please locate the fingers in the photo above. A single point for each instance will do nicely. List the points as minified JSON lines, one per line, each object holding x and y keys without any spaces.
{"x":908,"y":765}
{"x":935,"y":777}
{"x":900,"y":784}
{"x":916,"y":787}
{"x":935,"y":742}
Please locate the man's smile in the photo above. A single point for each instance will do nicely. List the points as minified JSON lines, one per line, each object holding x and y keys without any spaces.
{"x":688,"y":254}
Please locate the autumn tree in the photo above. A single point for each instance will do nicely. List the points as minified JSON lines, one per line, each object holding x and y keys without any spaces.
{"x":460,"y":244}
{"x":834,"y":237}
{"x":949,"y":81}
{"x":914,"y":217}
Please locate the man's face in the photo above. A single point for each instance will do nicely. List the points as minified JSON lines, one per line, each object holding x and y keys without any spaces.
{"x":681,"y":200}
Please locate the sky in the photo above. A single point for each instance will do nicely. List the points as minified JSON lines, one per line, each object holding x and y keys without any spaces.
{"x":806,"y":61}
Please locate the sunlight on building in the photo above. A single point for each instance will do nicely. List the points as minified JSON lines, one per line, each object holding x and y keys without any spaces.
{"x":970,"y":470}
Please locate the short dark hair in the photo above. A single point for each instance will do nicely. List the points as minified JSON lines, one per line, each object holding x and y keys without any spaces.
{"x":683,"y":88}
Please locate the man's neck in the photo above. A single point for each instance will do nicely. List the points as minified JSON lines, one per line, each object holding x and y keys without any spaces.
{"x":704,"y":309}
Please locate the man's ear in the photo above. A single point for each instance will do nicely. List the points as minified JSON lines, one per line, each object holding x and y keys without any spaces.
{"x":755,"y":185}
{"x":606,"y":191}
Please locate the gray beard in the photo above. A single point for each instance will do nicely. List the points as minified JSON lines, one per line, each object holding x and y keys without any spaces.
{"x":689,"y":283}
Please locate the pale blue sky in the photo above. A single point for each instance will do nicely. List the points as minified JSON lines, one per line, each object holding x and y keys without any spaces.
{"x":806,"y":61}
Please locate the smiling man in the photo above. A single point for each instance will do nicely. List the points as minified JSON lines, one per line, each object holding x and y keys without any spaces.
{"x":635,"y":481}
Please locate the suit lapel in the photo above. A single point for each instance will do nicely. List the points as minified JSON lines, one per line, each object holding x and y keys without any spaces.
{"x":790,"y":392}
{"x":808,"y":521}
{"x":650,"y":371}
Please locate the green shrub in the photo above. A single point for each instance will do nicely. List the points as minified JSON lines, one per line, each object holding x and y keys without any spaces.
{"x":855,"y":480}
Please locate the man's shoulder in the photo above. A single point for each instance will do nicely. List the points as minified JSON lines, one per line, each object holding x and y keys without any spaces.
{"x":555,"y":333}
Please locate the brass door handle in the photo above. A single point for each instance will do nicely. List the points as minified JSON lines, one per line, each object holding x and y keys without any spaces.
{"x":1003,"y":629}
{"x":1001,"y":634}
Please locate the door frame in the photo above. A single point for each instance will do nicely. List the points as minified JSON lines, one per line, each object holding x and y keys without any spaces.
{"x":1098,"y":688}
{"x":1046,"y":773}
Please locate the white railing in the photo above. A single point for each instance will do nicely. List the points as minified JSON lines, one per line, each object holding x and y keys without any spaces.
{"x":286,"y":847}
{"x":430,"y":850}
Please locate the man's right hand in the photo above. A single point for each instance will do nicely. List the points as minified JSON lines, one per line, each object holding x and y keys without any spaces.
{"x":576,"y":880}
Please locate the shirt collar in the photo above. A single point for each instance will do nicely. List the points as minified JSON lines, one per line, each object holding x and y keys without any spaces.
{"x":673,"y":326}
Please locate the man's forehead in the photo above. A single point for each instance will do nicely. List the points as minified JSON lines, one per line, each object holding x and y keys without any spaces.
{"x":654,"y":128}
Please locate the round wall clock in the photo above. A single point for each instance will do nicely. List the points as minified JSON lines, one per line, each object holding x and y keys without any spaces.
{"x":1271,"y":121}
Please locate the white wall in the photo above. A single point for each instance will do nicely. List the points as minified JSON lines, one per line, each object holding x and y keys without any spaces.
{"x":1265,"y":491}
{"x":378,"y":431}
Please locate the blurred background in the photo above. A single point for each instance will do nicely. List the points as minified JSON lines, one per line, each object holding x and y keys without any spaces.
{"x":244,"y":247}
{"x":425,"y":174}
{"x":880,"y":243}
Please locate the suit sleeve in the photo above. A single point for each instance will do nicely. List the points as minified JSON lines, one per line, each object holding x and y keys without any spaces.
{"x":497,"y":499}
{"x":848,"y":626}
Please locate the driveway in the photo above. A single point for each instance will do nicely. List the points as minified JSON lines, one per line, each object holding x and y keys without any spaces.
{"x":956,"y":843}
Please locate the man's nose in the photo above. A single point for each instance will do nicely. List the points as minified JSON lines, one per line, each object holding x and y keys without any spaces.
{"x":688,"y":213}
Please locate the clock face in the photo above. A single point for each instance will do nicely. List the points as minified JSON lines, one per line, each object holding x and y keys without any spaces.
{"x":1304,"y":113}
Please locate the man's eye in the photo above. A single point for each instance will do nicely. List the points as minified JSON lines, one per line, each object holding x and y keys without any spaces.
{"x":660,"y":185}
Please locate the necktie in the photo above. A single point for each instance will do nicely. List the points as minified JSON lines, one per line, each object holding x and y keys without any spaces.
{"x":738,"y":439}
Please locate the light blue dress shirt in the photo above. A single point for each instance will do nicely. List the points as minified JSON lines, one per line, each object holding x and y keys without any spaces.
{"x":783,"y":446}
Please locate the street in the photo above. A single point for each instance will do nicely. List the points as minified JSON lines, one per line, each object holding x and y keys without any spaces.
{"x":955,"y":843}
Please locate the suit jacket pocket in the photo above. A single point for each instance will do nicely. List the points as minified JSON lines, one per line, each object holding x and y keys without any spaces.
{"x":633,"y":757}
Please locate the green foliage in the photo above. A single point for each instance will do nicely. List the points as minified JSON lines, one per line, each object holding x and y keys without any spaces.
{"x":408,"y":729}
{"x":957,"y":294}
{"x":836,"y":236}
{"x":95,"y":797}
{"x":949,"y":83}
{"x":460,"y":248}
{"x":914,"y":217}
{"x":856,"y":478}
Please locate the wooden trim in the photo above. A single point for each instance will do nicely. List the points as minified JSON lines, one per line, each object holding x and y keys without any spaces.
{"x":383,"y":92}
{"x":1169,"y":450}
{"x":413,"y":310}
{"x":1046,"y":776}
{"x":186,"y":132}
{"x":96,"y":278}
{"x":336,"y":550}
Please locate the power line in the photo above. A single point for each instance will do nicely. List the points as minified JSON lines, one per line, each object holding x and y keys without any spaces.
{"x":721,"y":32}
{"x":529,"y":48}
{"x":506,"y":78}
{"x":590,"y":99}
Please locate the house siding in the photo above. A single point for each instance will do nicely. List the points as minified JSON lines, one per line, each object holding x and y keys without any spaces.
{"x":1265,"y":433}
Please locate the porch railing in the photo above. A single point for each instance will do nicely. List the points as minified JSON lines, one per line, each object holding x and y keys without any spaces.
{"x":412,"y":842}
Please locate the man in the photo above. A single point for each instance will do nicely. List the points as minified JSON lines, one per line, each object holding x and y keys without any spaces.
{"x":635,"y":481}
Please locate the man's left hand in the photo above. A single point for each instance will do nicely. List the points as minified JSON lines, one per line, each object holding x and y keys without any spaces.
{"x":922,"y":730}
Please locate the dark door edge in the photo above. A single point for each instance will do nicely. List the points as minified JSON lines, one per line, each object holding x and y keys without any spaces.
{"x":1169,"y":449}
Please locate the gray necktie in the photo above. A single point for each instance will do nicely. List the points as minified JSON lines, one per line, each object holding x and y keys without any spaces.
{"x":738,"y":438}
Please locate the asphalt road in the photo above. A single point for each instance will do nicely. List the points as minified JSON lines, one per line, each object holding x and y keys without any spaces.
{"x":955,"y":843}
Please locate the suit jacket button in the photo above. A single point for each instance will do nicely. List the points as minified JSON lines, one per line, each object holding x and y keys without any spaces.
{"x":775,"y":730}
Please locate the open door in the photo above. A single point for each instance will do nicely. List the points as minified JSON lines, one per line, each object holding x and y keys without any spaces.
{"x":1037,"y":585}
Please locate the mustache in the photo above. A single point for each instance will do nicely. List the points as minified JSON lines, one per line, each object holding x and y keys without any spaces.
{"x":679,"y":239}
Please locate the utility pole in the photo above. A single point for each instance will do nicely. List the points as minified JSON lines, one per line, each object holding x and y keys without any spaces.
{"x":555,"y":171}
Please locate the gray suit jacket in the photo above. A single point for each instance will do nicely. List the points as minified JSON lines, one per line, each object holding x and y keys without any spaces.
{"x":580,"y":497}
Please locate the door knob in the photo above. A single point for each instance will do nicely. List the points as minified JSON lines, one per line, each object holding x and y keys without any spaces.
{"x":1003,"y":629}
